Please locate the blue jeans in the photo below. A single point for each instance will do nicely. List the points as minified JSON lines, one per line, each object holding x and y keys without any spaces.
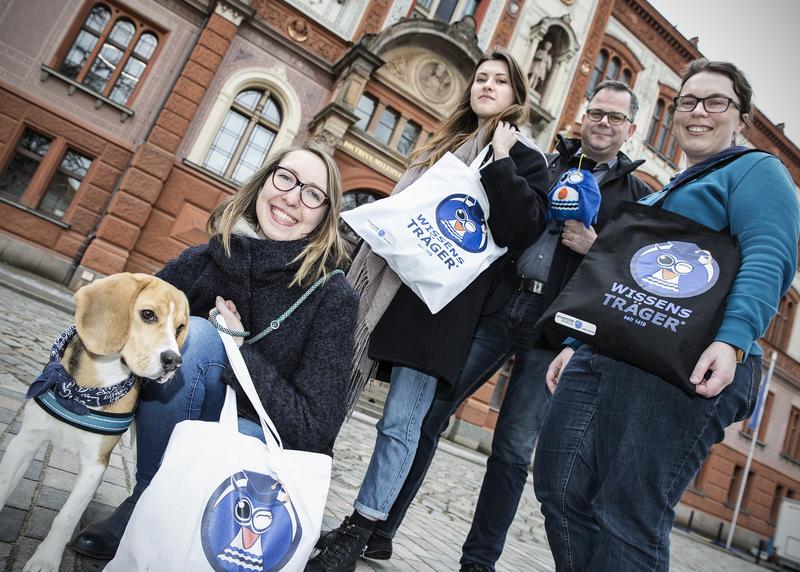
{"x":507,"y":332}
{"x":617,"y":451}
{"x":195,"y":392}
{"x":410,"y":395}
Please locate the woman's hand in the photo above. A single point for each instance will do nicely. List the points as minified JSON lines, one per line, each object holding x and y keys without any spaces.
{"x":577,"y":237}
{"x":233,"y":321}
{"x":720,"y":359}
{"x":556,"y":367}
{"x":503,"y":139}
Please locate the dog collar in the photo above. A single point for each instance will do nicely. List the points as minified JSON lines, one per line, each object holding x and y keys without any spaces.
{"x":93,"y":421}
{"x":66,"y":391}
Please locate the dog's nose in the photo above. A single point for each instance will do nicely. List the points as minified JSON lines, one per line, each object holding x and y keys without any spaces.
{"x":170,"y":361}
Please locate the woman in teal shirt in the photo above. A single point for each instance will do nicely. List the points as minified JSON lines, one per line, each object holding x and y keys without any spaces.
{"x":620,"y":446}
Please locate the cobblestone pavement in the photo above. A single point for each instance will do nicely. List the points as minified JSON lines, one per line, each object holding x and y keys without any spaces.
{"x":430,"y":538}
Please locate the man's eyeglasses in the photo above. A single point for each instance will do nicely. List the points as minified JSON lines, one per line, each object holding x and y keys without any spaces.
{"x":614,"y":117}
{"x":311,"y":196}
{"x":712,"y":103}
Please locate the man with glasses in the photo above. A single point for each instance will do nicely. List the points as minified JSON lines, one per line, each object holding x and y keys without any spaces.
{"x":543,"y":269}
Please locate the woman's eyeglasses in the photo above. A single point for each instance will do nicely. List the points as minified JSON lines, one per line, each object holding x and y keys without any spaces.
{"x":712,"y":103}
{"x":614,"y":117}
{"x":311,"y":196}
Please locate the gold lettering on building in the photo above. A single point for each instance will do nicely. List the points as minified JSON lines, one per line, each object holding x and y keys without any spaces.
{"x":372,"y":160}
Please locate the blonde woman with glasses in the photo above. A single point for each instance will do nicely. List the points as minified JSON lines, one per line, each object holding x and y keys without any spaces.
{"x":273,"y":241}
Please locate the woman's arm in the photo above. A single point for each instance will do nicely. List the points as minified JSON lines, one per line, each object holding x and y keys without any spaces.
{"x":763,"y":216}
{"x":517,"y":190}
{"x":309,"y":408}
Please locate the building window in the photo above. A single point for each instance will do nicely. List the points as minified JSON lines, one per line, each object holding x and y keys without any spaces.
{"x":736,"y":483}
{"x":245,"y":136}
{"x":781,"y":326}
{"x":777,"y":499}
{"x":364,"y":110}
{"x":659,"y":137}
{"x":351,"y":200}
{"x":446,"y":10}
{"x":386,"y":125}
{"x":43,"y":173}
{"x":111,"y":52}
{"x":699,"y":478}
{"x":762,"y":430}
{"x":614,"y":61}
{"x":791,"y":442}
{"x":408,"y":138}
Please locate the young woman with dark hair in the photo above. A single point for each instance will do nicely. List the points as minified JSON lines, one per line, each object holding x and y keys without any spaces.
{"x":395,"y":327}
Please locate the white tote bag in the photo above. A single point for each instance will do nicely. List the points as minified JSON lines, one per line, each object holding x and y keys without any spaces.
{"x":434,"y":234}
{"x":227,"y":502}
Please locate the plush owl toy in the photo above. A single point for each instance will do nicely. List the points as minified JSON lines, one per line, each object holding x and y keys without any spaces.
{"x":575,"y":196}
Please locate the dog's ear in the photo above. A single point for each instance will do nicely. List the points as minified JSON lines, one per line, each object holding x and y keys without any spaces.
{"x":103,"y":312}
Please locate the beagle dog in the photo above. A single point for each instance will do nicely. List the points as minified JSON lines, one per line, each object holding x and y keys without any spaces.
{"x":127,"y":327}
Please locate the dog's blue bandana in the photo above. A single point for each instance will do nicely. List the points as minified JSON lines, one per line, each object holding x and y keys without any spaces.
{"x":58,"y":393}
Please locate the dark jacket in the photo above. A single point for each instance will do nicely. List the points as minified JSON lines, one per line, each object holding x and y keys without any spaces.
{"x":301,"y":370}
{"x":409,"y":335}
{"x":619,"y":185}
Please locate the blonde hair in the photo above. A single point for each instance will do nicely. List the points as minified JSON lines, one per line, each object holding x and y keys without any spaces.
{"x":325,"y":250}
{"x":463,"y":123}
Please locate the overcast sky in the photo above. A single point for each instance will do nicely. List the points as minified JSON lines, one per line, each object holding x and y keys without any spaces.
{"x":760,"y":36}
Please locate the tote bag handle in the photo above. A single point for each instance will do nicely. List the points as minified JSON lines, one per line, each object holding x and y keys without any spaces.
{"x":236,"y":361}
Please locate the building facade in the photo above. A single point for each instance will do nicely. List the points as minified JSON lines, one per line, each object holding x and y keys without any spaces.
{"x":123,"y":123}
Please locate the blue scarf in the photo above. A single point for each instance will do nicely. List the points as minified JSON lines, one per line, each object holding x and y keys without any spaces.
{"x":67,"y":392}
{"x":703,"y":165}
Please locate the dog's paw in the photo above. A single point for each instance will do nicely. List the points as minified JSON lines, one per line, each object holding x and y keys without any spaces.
{"x":42,"y":563}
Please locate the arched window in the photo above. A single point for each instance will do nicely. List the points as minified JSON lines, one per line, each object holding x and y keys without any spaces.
{"x":111,"y":52}
{"x":614,"y":61}
{"x":255,"y":111}
{"x":351,"y":200}
{"x":659,"y":135}
{"x":245,"y":137}
{"x":781,"y":326}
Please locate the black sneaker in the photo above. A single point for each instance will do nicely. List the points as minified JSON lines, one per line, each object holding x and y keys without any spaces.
{"x":473,"y":567}
{"x":379,"y":547}
{"x":341,"y":548}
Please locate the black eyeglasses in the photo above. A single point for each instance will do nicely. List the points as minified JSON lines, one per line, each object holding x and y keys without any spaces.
{"x":614,"y":117}
{"x":712,"y":103}
{"x":310,"y":195}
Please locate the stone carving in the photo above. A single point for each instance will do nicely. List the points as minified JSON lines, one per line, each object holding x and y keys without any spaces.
{"x":542,"y":64}
{"x":435,"y":80}
{"x":397,"y":67}
{"x":298,"y":30}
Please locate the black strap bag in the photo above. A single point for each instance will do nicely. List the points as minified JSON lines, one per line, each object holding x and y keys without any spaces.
{"x":652,"y":289}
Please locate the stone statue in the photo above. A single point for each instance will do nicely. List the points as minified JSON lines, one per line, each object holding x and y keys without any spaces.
{"x":542,"y":62}
{"x":436,"y":80}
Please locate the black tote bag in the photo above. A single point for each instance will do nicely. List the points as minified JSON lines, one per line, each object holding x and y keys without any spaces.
{"x":652,"y":289}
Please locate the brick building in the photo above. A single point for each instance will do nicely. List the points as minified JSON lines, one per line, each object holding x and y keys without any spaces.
{"x":124,"y":122}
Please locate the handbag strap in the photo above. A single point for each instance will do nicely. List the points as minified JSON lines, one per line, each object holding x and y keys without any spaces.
{"x":236,"y":361}
{"x":703,"y":172}
{"x":276,"y":323}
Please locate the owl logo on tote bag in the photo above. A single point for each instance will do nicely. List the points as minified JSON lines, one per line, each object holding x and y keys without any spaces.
{"x":249,"y":523}
{"x":674,"y":269}
{"x":460,"y":218}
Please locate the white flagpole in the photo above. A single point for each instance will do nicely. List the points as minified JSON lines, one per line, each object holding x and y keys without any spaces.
{"x":773,"y":359}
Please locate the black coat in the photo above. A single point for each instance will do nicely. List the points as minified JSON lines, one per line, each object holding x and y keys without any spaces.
{"x":301,"y":370}
{"x":619,"y":185}
{"x":409,"y":335}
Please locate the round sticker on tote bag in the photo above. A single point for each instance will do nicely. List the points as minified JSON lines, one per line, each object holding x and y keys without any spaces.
{"x":249,"y":523}
{"x":461,"y":219}
{"x":674,"y":269}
